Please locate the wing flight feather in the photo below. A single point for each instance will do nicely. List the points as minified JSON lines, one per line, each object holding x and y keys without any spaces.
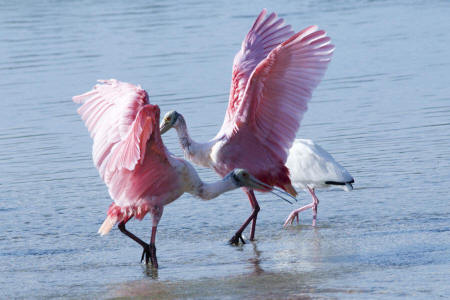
{"x":121,"y":120}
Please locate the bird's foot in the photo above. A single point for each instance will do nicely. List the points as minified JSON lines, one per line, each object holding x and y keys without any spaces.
{"x":235,"y":239}
{"x":294,"y":214}
{"x":149,"y":252}
{"x":145,"y":253}
{"x":153,"y":256}
{"x":290,"y":219}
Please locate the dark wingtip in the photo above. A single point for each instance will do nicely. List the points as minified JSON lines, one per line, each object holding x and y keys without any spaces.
{"x":334,"y":183}
{"x":339,"y":183}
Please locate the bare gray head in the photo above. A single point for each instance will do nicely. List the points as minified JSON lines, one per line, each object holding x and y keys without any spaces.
{"x":242,"y":178}
{"x":171,"y":119}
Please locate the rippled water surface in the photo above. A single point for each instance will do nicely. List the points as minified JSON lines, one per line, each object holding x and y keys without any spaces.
{"x":383,"y":111}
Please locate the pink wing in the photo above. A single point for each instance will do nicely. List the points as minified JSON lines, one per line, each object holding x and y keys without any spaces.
{"x":265,"y":34}
{"x":114,"y":115}
{"x":128,"y":150}
{"x":275,"y":100}
{"x":121,"y":121}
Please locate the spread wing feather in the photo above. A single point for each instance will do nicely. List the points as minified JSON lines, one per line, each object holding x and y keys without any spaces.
{"x":280,"y":87}
{"x":262,"y":119}
{"x":265,"y":34}
{"x":121,"y":120}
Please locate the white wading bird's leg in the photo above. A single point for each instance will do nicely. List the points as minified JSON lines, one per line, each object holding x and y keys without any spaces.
{"x":315,"y":204}
{"x":294,"y":214}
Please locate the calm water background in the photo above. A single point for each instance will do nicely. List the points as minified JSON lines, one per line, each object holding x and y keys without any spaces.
{"x":383,"y":110}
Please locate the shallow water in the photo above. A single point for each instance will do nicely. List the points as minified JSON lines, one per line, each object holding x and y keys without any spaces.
{"x":383,"y":111}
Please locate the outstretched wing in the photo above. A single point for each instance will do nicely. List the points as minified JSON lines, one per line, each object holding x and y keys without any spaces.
{"x":121,"y":121}
{"x":265,"y":34}
{"x":274,"y":101}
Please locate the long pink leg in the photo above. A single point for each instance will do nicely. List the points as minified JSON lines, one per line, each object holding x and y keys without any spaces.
{"x":153,"y":248}
{"x":315,"y":204}
{"x":238,"y":235}
{"x":150,"y":251}
{"x":255,"y":206}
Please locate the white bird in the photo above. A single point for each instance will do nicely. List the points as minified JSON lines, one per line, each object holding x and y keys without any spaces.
{"x":311,"y":167}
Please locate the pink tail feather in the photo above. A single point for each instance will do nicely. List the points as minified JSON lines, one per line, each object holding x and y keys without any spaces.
{"x":107,"y":225}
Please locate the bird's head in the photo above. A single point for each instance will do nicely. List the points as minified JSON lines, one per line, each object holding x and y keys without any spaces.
{"x":242,"y":178}
{"x":170,"y":120}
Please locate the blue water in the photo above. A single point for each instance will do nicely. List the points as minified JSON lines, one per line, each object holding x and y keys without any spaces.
{"x":383,"y":111}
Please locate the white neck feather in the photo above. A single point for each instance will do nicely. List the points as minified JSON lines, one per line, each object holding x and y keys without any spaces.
{"x":209,"y":191}
{"x":194,"y":185}
{"x":193,"y":151}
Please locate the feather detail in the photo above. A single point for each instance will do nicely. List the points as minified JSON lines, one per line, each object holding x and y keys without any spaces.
{"x":311,"y":166}
{"x":269,"y":95}
{"x":118,"y":116}
{"x":265,"y":34}
{"x":127,"y":150}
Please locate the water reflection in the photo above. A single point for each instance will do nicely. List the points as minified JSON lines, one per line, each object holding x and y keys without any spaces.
{"x":255,"y":262}
{"x":151,"y":271}
{"x":267,"y":285}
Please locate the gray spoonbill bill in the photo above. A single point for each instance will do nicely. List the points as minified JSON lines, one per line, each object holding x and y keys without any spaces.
{"x":141,"y":174}
{"x":312,"y":167}
{"x":273,"y":77}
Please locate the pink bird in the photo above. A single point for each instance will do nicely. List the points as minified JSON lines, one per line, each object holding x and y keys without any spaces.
{"x":141,"y":175}
{"x":274,"y":75}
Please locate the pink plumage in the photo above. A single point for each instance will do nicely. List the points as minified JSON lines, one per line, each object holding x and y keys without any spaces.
{"x":141,"y":175}
{"x":273,"y":77}
{"x":262,"y":38}
{"x":128,"y":150}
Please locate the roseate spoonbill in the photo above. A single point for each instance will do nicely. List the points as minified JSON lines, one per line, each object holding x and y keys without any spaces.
{"x":141,"y":174}
{"x":312,"y":167}
{"x":274,"y":74}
